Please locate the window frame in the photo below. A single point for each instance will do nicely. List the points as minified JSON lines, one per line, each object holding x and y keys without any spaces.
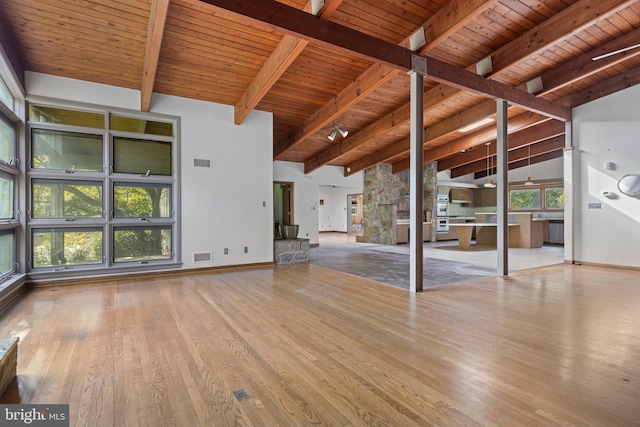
{"x":544,"y":193}
{"x":108,"y":179}
{"x":12,"y":171}
{"x":541,"y":187}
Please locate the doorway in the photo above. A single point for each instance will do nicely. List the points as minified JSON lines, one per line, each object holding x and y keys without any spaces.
{"x":282,"y":205}
{"x":354,"y":214}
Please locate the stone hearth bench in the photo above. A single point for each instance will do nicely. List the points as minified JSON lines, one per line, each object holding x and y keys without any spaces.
{"x":8,"y":362}
{"x":290,"y":251}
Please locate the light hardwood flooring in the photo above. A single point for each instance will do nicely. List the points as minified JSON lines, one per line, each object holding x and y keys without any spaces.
{"x":551,"y":346}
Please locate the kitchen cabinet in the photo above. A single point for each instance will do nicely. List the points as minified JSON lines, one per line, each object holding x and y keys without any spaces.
{"x":460,"y":195}
{"x":484,"y":197}
{"x":402,"y":232}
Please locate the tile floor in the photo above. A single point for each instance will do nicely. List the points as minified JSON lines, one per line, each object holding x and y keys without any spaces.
{"x":444,"y":262}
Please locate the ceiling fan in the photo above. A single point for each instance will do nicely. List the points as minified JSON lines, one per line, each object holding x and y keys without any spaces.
{"x":615,"y":52}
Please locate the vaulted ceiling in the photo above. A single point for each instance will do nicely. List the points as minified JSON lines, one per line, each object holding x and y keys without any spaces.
{"x":345,"y":66}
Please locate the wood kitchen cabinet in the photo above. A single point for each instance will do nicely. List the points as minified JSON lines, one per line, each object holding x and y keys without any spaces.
{"x":483,"y":197}
{"x":402,"y":232}
{"x":460,"y":195}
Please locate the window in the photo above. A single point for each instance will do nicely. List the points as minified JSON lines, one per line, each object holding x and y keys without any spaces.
{"x":142,"y":244}
{"x":5,"y":96}
{"x":66,"y":247}
{"x":7,"y":252}
{"x":6,"y":196}
{"x":100,"y":196}
{"x":7,"y":139}
{"x":524,"y":198}
{"x":141,"y":201}
{"x":554,"y":198}
{"x":66,"y":199}
{"x":141,"y":157}
{"x":151,"y":127}
{"x":70,"y":151}
{"x":10,"y":123}
{"x":45,"y":114}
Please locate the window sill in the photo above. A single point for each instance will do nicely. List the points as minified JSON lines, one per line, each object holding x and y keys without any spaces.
{"x":11,"y":288}
{"x":50,"y":277}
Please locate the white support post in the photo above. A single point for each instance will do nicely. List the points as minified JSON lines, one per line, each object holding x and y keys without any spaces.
{"x":416,"y":182}
{"x":569,"y":194}
{"x":502,"y":216}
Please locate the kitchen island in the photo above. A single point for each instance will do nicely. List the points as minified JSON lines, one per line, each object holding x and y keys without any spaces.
{"x":528,"y":235}
{"x":465,"y":230}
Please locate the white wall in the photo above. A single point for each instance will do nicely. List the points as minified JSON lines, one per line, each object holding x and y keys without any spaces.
{"x":306,"y":188}
{"x":606,"y":130}
{"x":221,"y":207}
{"x":335,"y":214}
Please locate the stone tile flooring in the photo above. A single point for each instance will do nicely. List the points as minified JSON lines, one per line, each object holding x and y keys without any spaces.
{"x":444,"y":262}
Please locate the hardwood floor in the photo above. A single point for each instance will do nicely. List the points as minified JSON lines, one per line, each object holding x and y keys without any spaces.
{"x":552,"y":346}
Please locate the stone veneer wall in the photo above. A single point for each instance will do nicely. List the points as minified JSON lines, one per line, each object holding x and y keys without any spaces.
{"x":290,"y":251}
{"x":385,"y":194}
{"x":8,"y":362}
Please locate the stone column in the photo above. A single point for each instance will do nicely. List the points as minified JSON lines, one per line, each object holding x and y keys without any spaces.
{"x":385,"y":194}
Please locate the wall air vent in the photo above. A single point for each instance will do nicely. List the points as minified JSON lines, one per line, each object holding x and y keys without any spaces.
{"x":201,"y":257}
{"x":202,"y":163}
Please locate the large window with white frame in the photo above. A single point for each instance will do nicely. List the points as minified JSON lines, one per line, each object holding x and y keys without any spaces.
{"x":102,"y":189}
{"x":9,"y":177}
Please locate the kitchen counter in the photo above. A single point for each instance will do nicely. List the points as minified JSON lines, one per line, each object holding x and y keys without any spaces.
{"x":402,"y":231}
{"x":466,"y":229}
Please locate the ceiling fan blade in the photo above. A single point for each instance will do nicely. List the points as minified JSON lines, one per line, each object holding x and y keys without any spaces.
{"x":615,"y":52}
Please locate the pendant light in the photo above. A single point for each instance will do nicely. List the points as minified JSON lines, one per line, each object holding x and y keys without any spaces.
{"x":529,"y":182}
{"x":489,"y":182}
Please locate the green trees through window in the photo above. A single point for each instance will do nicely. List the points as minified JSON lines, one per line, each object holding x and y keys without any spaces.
{"x":113,"y":203}
{"x":528,"y":198}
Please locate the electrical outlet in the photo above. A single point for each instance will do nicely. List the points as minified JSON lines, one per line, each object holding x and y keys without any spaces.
{"x":226,"y":251}
{"x":246,"y":249}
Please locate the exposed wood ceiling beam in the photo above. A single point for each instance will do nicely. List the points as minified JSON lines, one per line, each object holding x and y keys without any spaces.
{"x":583,"y":65}
{"x":451,"y":75}
{"x":159,"y":9}
{"x":515,"y":155}
{"x":531,"y":135}
{"x":439,"y":130}
{"x":550,"y":155}
{"x":571,"y":20}
{"x":281,"y":58}
{"x":434,"y":153}
{"x":330,"y":6}
{"x":441,"y":25}
{"x":378,"y":128}
{"x":275,"y":66}
{"x":558,"y":26}
{"x":611,"y":85}
{"x":6,"y":44}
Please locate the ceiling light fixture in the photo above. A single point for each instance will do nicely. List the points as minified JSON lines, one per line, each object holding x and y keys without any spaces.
{"x":529,"y":182}
{"x":606,"y":55}
{"x":489,"y":182}
{"x":477,"y":124}
{"x":335,"y":131}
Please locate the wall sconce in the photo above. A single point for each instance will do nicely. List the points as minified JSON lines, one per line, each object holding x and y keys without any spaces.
{"x":335,"y":131}
{"x":629,"y":185}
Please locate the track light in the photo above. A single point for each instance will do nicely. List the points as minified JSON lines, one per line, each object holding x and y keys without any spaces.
{"x":335,"y":131}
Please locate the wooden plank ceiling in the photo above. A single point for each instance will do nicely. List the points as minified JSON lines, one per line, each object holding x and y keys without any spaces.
{"x":278,"y":57}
